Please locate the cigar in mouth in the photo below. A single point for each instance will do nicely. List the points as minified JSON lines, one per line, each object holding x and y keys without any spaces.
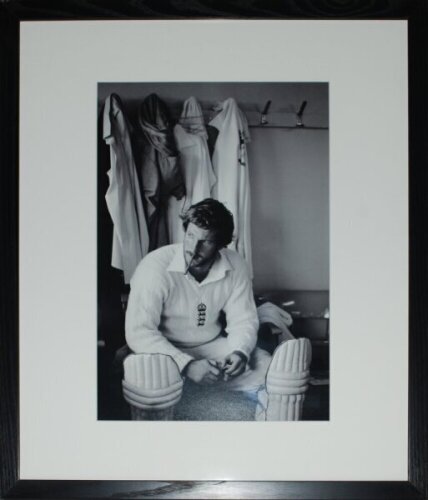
{"x":189,"y":264}
{"x":195,"y":252}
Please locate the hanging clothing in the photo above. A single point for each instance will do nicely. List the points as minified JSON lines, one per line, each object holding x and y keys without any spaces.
{"x":192,"y":118}
{"x":191,"y":139}
{"x":110,"y":280}
{"x":123,"y":197}
{"x":158,"y":167}
{"x":230,"y":164}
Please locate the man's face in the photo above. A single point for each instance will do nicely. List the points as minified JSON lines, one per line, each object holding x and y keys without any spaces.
{"x":200,"y":246}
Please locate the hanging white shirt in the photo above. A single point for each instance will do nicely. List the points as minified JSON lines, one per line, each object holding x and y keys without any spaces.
{"x":191,"y":139}
{"x":123,"y":197}
{"x":162,"y":314}
{"x":230,"y":164}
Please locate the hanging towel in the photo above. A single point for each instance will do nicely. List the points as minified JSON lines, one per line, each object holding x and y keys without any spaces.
{"x":191,"y":139}
{"x":158,"y":167}
{"x":123,"y":197}
{"x":230,"y":164}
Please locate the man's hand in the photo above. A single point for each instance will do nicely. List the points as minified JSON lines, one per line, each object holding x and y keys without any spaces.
{"x":202,"y":371}
{"x":234,"y":364}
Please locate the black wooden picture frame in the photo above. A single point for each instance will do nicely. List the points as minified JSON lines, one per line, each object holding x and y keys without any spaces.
{"x":12,"y":12}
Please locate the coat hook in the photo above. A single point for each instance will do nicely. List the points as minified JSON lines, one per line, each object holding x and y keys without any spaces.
{"x":299,"y":114}
{"x":263,"y":117}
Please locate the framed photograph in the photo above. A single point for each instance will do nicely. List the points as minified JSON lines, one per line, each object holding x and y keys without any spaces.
{"x":213,"y":280}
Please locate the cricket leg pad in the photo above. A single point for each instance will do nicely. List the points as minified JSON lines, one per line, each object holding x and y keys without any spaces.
{"x":152,"y":386}
{"x":287,"y":380}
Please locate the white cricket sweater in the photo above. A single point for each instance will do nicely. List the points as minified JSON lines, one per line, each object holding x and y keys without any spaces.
{"x":162,"y":314}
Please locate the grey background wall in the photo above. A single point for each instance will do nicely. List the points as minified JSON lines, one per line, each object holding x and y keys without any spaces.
{"x":289,"y":172}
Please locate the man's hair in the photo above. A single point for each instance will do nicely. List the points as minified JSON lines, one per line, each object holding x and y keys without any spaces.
{"x":213,"y":215}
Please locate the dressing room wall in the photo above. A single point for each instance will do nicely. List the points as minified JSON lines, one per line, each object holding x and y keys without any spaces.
{"x":289,"y":172}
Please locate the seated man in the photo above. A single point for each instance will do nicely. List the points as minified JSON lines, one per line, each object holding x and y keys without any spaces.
{"x":178,"y":294}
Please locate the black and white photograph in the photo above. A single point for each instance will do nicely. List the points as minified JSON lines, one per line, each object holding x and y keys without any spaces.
{"x":213,"y":251}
